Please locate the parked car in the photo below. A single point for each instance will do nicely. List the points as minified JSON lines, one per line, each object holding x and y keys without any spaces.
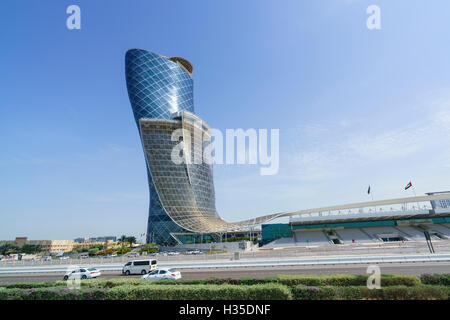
{"x":193,"y":252}
{"x":133,"y":254}
{"x":64,"y":258}
{"x":139,"y":267}
{"x":82,"y":273}
{"x":47,"y":258}
{"x":162,"y":273}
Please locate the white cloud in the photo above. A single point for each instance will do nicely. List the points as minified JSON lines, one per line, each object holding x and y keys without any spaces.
{"x":326,"y":151}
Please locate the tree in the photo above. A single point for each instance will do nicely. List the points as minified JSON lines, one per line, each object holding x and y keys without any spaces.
{"x":131,"y":240}
{"x":93,"y":251}
{"x":123,"y":251}
{"x":122,"y":240}
{"x":31,"y":248}
{"x":149,"y":248}
{"x":8,"y":249}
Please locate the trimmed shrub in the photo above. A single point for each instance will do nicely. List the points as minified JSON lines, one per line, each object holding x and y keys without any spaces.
{"x":326,"y":293}
{"x":346,"y":280}
{"x":268,"y":291}
{"x":436,"y":279}
{"x":406,"y":293}
{"x":399,"y":280}
{"x":302,"y":292}
{"x":253,"y":281}
{"x":350,"y":293}
{"x":201,"y":292}
{"x":152,"y":292}
{"x":356,"y":293}
{"x":54,"y":293}
{"x":242,"y":281}
{"x":429,"y":292}
{"x":30,"y":285}
{"x":11,"y":294}
{"x":111,"y":283}
{"x":102,"y":283}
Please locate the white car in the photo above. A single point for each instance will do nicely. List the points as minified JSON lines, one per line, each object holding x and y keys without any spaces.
{"x":82,"y":273}
{"x":139,"y":267}
{"x":162,"y":273}
{"x":132,"y":254}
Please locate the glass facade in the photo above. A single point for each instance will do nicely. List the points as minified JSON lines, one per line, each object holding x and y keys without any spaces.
{"x":274,"y":231}
{"x":157,"y":87}
{"x":186,"y":190}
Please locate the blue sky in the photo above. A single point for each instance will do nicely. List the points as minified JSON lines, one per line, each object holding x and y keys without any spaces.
{"x":354,"y":106}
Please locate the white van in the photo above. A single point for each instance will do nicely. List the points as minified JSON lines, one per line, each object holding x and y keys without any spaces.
{"x":139,"y":267}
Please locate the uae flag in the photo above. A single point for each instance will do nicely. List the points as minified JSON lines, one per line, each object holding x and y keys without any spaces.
{"x":409,"y":185}
{"x":368,"y":190}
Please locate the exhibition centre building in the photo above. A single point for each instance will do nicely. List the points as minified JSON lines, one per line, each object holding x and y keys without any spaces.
{"x":182,"y":197}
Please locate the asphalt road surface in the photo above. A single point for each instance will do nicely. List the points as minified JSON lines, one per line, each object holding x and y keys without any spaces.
{"x":403,"y":268}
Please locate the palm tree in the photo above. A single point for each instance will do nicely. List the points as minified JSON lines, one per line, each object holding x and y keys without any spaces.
{"x":123,"y":239}
{"x":131,"y":240}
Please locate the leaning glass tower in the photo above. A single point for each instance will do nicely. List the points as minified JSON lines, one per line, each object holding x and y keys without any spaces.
{"x":182,"y":198}
{"x":157,"y":88}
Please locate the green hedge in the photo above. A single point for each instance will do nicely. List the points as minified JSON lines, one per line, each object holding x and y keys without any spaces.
{"x":201,"y":292}
{"x":422,"y":292}
{"x":101,"y":283}
{"x":242,"y":281}
{"x":154,"y":292}
{"x":269,"y":291}
{"x":436,"y":279}
{"x":289,"y":280}
{"x":31,"y":285}
{"x":54,"y":293}
{"x":347,"y":280}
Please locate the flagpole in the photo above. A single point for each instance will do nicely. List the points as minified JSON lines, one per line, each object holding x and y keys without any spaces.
{"x":412,"y":188}
{"x":375,"y":207}
{"x":371,"y":194}
{"x":414,"y":191}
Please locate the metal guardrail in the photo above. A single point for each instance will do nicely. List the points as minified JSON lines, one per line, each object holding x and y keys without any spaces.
{"x":298,"y":251}
{"x":318,"y":261}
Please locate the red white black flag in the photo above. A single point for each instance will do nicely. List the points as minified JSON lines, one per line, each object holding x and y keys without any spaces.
{"x":409,"y":185}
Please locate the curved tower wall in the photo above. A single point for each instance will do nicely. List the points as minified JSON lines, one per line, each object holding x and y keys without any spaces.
{"x":186,"y":190}
{"x":157,"y":87}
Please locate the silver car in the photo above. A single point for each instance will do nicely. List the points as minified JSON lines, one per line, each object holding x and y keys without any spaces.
{"x":162,"y":273}
{"x":82,"y":273}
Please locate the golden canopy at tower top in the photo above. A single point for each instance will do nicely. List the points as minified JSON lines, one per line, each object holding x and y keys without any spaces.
{"x":186,"y":65}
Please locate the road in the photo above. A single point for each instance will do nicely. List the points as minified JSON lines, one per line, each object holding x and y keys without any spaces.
{"x":402,"y":268}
